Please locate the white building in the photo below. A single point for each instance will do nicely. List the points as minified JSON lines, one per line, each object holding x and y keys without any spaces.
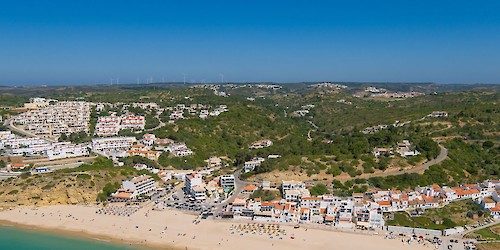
{"x":183,"y":152}
{"x":227,"y":182}
{"x":133,"y":122}
{"x":26,"y":146}
{"x":63,"y":117}
{"x":175,"y":147}
{"x":148,"y":139}
{"x":252,"y":164}
{"x":439,"y":114}
{"x":292,"y":185}
{"x":199,"y":193}
{"x":404,"y":149}
{"x":63,"y":150}
{"x":112,"y":145}
{"x":294,"y":190}
{"x":194,"y":185}
{"x":139,"y":185}
{"x":261,"y":144}
{"x":214,"y":162}
{"x":5,"y":135}
{"x":107,"y":125}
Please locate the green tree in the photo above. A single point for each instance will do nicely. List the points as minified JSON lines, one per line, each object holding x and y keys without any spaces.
{"x":319,"y":189}
{"x":488,"y":144}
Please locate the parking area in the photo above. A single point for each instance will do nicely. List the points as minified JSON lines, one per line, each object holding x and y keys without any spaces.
{"x":180,"y":200}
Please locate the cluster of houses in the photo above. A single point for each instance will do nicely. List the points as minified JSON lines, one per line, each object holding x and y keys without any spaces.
{"x":384,"y":93}
{"x":178,"y":149}
{"x":200,"y":110}
{"x":403,"y":148}
{"x":37,"y":103}
{"x":195,"y":185}
{"x":144,"y":151}
{"x":14,"y":145}
{"x":257,"y":161}
{"x":52,"y":120}
{"x":194,"y":182}
{"x":305,"y":109}
{"x":113,"y":146}
{"x":397,"y":94}
{"x":237,"y":86}
{"x":344,"y":101}
{"x":377,"y":128}
{"x":361,"y":209}
{"x":123,"y":146}
{"x":330,"y":85}
{"x":101,"y":106}
{"x":179,"y":111}
{"x":374,"y":129}
{"x":111,"y":125}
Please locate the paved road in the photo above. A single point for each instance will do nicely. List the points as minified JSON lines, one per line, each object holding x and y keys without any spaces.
{"x":442,"y":155}
{"x":10,"y":124}
{"x":474,"y":229}
{"x":46,"y":161}
{"x":239,"y":185}
{"x":5,"y":175}
{"x":62,"y":166}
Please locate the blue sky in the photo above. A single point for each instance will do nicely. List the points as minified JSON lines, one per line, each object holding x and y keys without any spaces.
{"x":81,"y":42}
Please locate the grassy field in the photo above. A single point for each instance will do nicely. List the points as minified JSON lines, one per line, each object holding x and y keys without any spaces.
{"x":488,"y":246}
{"x":489,"y":233}
{"x":452,"y":215}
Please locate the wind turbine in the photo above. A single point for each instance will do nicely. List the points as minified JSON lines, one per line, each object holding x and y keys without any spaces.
{"x":184,"y":75}
{"x":221,"y":78}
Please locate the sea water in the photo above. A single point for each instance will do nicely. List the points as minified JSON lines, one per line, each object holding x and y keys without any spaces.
{"x":21,"y":239}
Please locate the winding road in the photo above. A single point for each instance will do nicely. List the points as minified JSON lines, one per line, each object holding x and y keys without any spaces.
{"x":442,"y":155}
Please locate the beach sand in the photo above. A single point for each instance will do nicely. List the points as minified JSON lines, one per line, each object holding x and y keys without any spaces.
{"x":172,"y":229}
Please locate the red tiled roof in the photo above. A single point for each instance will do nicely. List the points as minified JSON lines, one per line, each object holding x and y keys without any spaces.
{"x":268,"y":204}
{"x":384,"y":203}
{"x":250,"y":188}
{"x":329,"y":218}
{"x":123,"y":195}
{"x":280,"y":207}
{"x":495,"y":209}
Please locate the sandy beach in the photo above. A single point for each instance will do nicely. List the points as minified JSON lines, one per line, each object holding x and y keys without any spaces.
{"x":172,"y":229}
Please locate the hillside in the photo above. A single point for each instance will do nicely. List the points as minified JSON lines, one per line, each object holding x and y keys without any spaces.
{"x":318,"y":132}
{"x":69,"y":186}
